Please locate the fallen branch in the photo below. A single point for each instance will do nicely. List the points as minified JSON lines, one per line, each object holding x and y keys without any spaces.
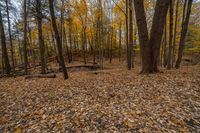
{"x":40,"y":76}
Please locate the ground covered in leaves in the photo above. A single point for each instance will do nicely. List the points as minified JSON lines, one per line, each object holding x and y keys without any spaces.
{"x":114,"y":100}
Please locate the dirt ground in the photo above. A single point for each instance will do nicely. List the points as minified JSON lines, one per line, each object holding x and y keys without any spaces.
{"x":110,"y":100}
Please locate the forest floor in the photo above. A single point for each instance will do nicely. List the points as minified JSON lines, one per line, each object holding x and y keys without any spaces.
{"x":111,"y":100}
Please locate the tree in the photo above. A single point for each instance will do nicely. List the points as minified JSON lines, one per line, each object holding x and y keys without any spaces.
{"x":10,"y":35}
{"x":175,"y":32}
{"x":3,"y":46}
{"x":130,"y":48}
{"x":184,"y":32}
{"x":150,"y":48}
{"x":170,"y":34}
{"x":58,"y":41}
{"x":25,"y":38}
{"x":40,"y":36}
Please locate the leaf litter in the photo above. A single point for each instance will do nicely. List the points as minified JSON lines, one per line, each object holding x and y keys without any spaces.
{"x":104,"y":101}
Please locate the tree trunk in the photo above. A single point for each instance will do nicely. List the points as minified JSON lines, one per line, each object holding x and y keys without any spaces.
{"x":175,"y":31}
{"x":170,"y":34}
{"x":40,"y":37}
{"x":66,"y":43}
{"x":130,"y":48}
{"x":10,"y":36}
{"x":150,"y":49}
{"x":143,"y":35}
{"x":110,"y":43}
{"x":58,"y":41}
{"x":25,"y":38}
{"x":157,"y":29}
{"x":84,"y":42}
{"x":3,"y":47}
{"x":70,"y":39}
{"x":127,"y":32}
{"x":165,"y":45}
{"x":184,"y":33}
{"x":120,"y":40}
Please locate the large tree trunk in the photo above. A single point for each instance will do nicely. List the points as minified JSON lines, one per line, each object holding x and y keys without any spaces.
{"x":143,"y":35}
{"x":157,"y":31}
{"x":150,"y":49}
{"x":170,"y":34}
{"x":184,"y":33}
{"x":10,"y":36}
{"x":40,"y":37}
{"x":3,"y":47}
{"x":58,"y":41}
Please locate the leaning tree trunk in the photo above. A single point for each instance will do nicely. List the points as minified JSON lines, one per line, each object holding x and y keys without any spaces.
{"x":143,"y":35}
{"x":157,"y":32}
{"x":3,"y":47}
{"x":183,"y":34}
{"x":58,"y":41}
{"x":40,"y":37}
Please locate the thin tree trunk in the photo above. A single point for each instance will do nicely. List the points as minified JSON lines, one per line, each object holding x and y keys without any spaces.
{"x":175,"y":32}
{"x":58,"y":41}
{"x":130,"y":49}
{"x":66,"y":44}
{"x":110,"y":41}
{"x":127,"y":32}
{"x":120,"y":39}
{"x":183,"y":34}
{"x":70,"y":39}
{"x":170,"y":34}
{"x":3,"y":47}
{"x":10,"y":36}
{"x":40,"y":37}
{"x":165,"y":45}
{"x":25,"y":38}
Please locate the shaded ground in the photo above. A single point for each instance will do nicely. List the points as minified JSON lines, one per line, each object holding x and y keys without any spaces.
{"x":114,"y":100}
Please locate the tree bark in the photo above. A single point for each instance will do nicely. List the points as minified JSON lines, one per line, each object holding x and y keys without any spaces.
{"x":157,"y":31}
{"x":40,"y":37}
{"x":120,"y":39}
{"x":143,"y":35}
{"x":150,"y":48}
{"x":184,"y":33}
{"x":171,"y":10}
{"x":25,"y":38}
{"x":58,"y":41}
{"x":130,"y":49}
{"x":3,"y":47}
{"x":175,"y":32}
{"x":10,"y":36}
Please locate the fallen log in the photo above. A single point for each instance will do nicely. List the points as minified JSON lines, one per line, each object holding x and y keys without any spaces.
{"x":40,"y":76}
